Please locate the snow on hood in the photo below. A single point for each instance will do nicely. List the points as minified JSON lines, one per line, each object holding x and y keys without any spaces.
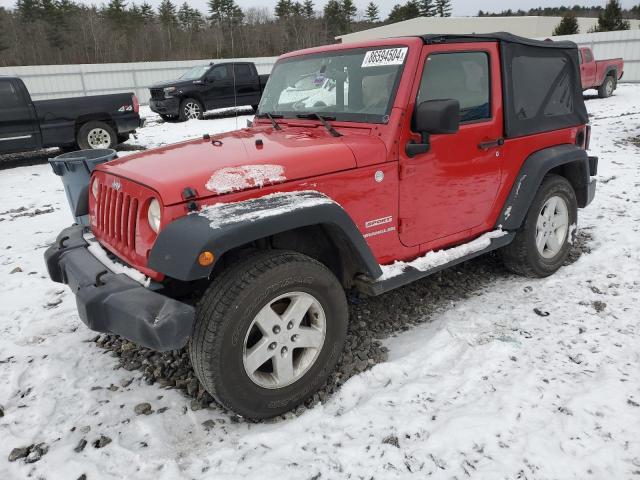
{"x":232,"y":179}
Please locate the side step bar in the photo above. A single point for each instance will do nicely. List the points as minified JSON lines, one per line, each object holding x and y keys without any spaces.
{"x":410,"y":274}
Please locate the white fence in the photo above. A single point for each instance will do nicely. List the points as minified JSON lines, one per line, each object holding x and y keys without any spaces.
{"x":625,"y":44}
{"x":57,"y":81}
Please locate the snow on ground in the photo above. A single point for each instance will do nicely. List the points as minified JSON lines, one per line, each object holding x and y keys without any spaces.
{"x":484,"y":388}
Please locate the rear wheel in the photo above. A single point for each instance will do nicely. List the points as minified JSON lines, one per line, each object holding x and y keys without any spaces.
{"x":95,"y":134}
{"x":607,"y":88}
{"x":268,"y":333}
{"x":191,"y":109}
{"x":542,"y":242}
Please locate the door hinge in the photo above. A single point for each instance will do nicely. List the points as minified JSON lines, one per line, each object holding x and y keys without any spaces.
{"x":406,"y":170}
{"x":404,"y":224}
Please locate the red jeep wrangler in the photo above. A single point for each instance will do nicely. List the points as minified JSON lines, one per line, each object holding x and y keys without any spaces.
{"x":369,"y":166}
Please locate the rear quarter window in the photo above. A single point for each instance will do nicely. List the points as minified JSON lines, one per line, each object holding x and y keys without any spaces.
{"x":9,"y":96}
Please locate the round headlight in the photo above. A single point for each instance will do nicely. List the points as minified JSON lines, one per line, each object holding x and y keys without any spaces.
{"x":153,"y":215}
{"x":94,"y":188}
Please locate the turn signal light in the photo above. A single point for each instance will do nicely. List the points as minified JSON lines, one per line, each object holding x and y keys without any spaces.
{"x":206,"y":258}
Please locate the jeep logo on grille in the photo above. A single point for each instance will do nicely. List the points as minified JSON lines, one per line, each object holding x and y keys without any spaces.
{"x":116,"y":185}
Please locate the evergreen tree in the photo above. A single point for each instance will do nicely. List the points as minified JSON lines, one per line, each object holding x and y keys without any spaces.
{"x":333,"y":18}
{"x":427,"y":8}
{"x":147,"y":13}
{"x":225,"y":11}
{"x":189,"y":18}
{"x":568,"y":25}
{"x":116,"y":13}
{"x":443,"y":8}
{"x":283,"y":9}
{"x":28,"y":10}
{"x":349,"y":11}
{"x":167,"y":13}
{"x":4,"y":18}
{"x":307,"y":9}
{"x":372,"y":13}
{"x":399,"y":13}
{"x":611,"y":19}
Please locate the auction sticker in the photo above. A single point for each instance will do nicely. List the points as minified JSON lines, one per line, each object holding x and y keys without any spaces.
{"x":388,"y":56}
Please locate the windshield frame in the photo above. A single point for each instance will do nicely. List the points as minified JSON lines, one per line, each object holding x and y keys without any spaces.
{"x":351,"y":117}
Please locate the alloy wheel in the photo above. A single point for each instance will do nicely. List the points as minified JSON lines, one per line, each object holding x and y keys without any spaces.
{"x":284,"y":340}
{"x":552,"y":227}
{"x":192,"y":110}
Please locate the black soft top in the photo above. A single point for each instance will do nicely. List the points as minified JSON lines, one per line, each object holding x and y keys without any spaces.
{"x":494,"y":37}
{"x":541,"y":85}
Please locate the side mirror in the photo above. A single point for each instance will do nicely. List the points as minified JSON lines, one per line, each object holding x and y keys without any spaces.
{"x":433,"y":117}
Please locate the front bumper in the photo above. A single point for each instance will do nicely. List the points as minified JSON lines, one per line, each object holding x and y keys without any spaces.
{"x":166,"y":106}
{"x":114,"y":303}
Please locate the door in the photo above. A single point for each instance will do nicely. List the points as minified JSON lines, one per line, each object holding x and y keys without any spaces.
{"x":247,"y":84}
{"x":587,"y":68}
{"x":18,"y":126}
{"x":219,"y":87}
{"x":451,"y":189}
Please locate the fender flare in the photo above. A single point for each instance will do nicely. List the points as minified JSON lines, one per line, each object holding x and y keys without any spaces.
{"x":611,"y":68}
{"x":223,"y":226}
{"x":529,"y":178}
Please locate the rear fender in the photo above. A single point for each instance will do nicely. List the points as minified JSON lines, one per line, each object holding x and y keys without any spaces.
{"x":222,"y":227}
{"x":569,"y":161}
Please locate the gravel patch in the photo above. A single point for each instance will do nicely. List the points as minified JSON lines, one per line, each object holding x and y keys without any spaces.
{"x":371,"y":320}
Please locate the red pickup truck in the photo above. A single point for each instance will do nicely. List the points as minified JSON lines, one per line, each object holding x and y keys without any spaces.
{"x":369,"y":166}
{"x":600,"y":74}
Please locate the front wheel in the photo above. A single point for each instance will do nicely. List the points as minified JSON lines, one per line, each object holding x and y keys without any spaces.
{"x":541,"y":244}
{"x":191,"y":109}
{"x":268,"y":333}
{"x":96,"y":135}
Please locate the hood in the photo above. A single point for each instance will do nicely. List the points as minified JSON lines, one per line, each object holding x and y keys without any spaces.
{"x":172,"y":83}
{"x":235,"y":161}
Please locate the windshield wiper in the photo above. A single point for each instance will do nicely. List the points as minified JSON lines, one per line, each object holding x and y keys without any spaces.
{"x":323,"y":120}
{"x":272,"y":118}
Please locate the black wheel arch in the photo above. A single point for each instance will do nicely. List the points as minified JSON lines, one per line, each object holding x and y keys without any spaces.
{"x":323,"y":231}
{"x":567,"y":160}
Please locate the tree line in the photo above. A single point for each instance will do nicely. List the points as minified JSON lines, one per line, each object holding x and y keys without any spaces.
{"x":37,"y":32}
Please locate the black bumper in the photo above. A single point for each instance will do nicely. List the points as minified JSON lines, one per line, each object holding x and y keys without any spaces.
{"x":166,"y":106}
{"x":114,"y":303}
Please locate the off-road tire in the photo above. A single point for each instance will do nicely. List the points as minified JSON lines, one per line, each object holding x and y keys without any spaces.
{"x":226,"y":312}
{"x":185,"y":106}
{"x":85,"y":143}
{"x":607,"y":88}
{"x":521,"y":256}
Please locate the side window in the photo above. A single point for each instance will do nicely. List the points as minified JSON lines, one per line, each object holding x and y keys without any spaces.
{"x":219,"y":73}
{"x":460,"y":76}
{"x":541,"y":86}
{"x":242,"y":72}
{"x":9,"y":96}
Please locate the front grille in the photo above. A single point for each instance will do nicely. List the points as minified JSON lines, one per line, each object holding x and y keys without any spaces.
{"x":157,"y":93}
{"x":116,"y":214}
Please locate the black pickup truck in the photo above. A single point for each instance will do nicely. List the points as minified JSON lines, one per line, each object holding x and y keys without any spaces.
{"x":206,"y":87}
{"x":99,"y":121}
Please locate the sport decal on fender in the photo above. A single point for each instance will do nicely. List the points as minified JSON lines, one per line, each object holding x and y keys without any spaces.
{"x":378,"y":221}
{"x":388,"y":56}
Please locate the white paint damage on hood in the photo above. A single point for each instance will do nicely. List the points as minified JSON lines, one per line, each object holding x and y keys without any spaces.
{"x":232,"y":179}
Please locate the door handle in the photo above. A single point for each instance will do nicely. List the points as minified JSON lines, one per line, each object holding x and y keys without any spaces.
{"x":498,"y":142}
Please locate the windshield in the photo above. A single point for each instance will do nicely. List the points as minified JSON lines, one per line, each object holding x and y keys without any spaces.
{"x":195,"y":73}
{"x":349,"y":85}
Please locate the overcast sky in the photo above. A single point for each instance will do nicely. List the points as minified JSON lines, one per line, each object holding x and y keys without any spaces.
{"x":460,"y":7}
